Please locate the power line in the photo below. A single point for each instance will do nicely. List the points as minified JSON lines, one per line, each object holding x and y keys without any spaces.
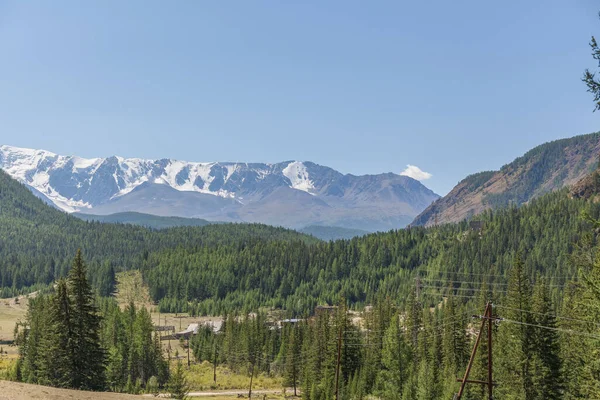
{"x":460,"y":289}
{"x":439,"y":273}
{"x":464,"y":282}
{"x":461,"y":273}
{"x":547,"y":314}
{"x":569,"y":331}
{"x":447,"y":295}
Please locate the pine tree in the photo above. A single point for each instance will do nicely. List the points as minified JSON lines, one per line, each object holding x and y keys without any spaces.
{"x":55,"y":364}
{"x":396,"y":362}
{"x":514,"y":350}
{"x":29,"y":337}
{"x":87,"y":355}
{"x":454,"y":341}
{"x":546,"y":363}
{"x":292,"y":360}
{"x":414,"y":318}
{"x":177,"y":386}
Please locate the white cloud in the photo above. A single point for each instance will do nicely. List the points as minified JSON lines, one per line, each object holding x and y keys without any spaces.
{"x":416,"y":173}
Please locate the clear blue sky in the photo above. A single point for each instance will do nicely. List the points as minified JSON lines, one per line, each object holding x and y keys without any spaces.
{"x":453,"y":87}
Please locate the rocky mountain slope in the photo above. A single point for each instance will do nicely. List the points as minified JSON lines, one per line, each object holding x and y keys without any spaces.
{"x":292,"y":194}
{"x":588,"y":187}
{"x":545,"y":168}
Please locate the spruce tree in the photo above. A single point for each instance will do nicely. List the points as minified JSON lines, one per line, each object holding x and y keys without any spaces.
{"x":547,"y":363}
{"x":514,"y":348}
{"x":177,"y":386}
{"x":292,"y":359}
{"x":396,"y":362}
{"x":55,"y":364}
{"x":29,"y":336}
{"x":87,"y":355}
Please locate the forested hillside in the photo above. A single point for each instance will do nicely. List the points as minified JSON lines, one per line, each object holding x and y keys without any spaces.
{"x":297,"y":276}
{"x":37,"y":242}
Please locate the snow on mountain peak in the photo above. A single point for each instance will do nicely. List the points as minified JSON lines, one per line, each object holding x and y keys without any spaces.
{"x":74,"y":183}
{"x":298,"y":175}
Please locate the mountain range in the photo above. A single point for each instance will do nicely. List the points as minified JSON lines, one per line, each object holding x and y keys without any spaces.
{"x":545,"y":168}
{"x":293,"y":194}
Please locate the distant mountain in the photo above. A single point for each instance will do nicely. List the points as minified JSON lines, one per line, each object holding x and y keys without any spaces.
{"x":332,"y":232}
{"x":291,"y":194}
{"x":544,"y":169}
{"x":147,"y":220}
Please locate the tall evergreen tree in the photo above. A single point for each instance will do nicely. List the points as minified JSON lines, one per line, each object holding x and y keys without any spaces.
{"x":178,"y":386}
{"x":55,"y":363}
{"x":396,"y":362}
{"x":87,"y":355}
{"x":292,"y":359}
{"x":514,"y":349}
{"x":547,"y":371}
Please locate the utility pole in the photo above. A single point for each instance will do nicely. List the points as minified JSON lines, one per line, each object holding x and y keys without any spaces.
{"x":188,"y":349}
{"x":215,"y":364}
{"x":486,"y":318}
{"x":180,"y":316}
{"x":251,"y":377}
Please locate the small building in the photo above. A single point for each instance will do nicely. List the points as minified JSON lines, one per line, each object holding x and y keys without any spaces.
{"x":191,"y":330}
{"x":290,"y":321}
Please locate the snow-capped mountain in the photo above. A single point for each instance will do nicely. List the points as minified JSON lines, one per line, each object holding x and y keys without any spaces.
{"x":291,"y":193}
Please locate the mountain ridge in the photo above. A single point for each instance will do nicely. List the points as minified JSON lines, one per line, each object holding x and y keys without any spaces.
{"x":291,"y":193}
{"x":543,"y":169}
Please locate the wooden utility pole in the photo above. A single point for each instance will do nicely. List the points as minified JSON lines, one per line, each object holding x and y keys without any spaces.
{"x":251,"y":377}
{"x":215,"y":364}
{"x":180,"y":316}
{"x":188,"y":349}
{"x":488,"y":318}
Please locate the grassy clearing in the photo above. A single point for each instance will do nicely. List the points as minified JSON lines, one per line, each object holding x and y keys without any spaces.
{"x":200,"y":378}
{"x":12,"y":310}
{"x":131,"y":288}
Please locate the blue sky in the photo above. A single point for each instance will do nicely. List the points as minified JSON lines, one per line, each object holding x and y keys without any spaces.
{"x":364,"y":87}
